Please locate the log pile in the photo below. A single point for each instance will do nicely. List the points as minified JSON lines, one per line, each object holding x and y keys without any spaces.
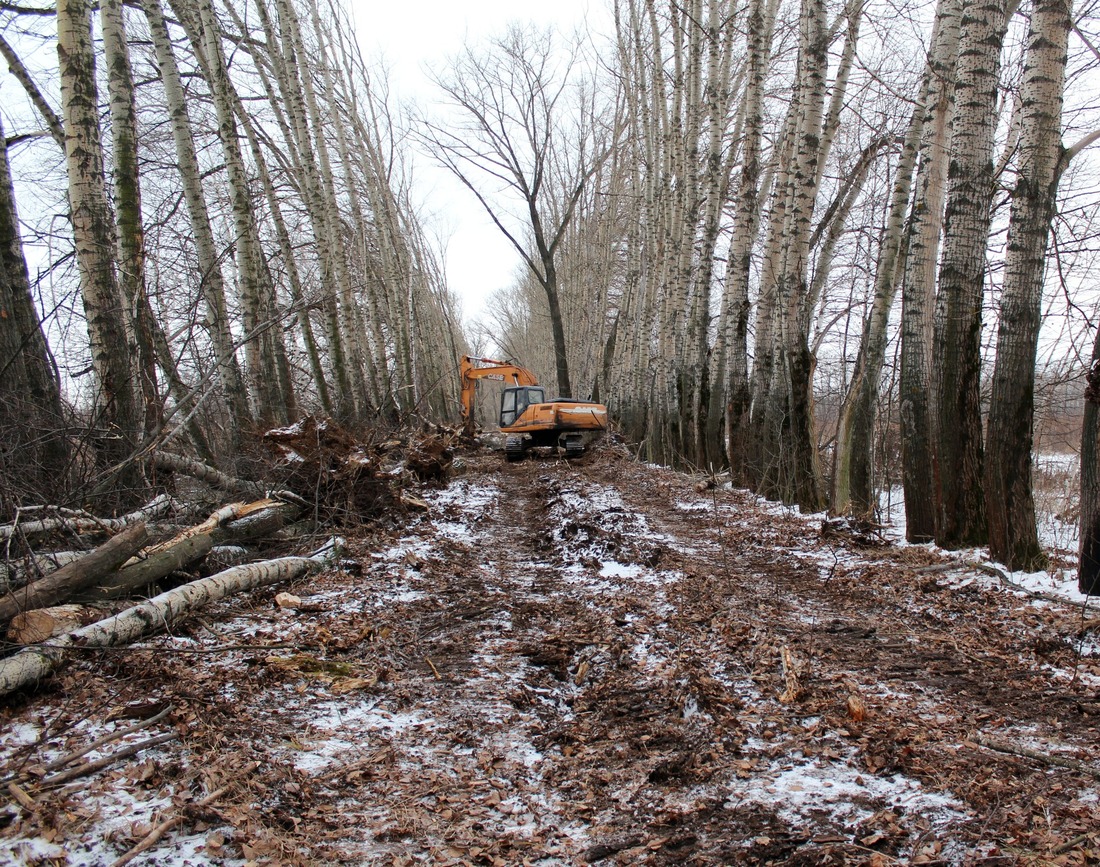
{"x":318,"y":472}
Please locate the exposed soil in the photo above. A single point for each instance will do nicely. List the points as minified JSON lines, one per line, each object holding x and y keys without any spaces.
{"x":588,"y":662}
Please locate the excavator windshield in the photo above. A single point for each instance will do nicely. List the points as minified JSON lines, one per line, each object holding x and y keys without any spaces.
{"x":513,"y":401}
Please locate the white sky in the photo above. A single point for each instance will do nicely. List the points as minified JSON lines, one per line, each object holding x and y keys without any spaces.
{"x":409,"y":38}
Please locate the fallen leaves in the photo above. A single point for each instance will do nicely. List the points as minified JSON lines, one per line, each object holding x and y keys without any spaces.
{"x":481,"y":694}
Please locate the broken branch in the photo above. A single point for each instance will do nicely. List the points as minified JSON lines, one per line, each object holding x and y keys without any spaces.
{"x":205,"y":473}
{"x":98,"y":764}
{"x":1016,"y":750}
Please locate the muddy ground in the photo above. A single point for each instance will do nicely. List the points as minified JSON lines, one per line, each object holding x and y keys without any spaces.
{"x":586,"y":663}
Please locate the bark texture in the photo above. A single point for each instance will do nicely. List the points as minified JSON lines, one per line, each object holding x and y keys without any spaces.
{"x":919,"y":280}
{"x":75,"y":576}
{"x":958,"y":461}
{"x":118,"y":419}
{"x":31,"y":665}
{"x":1010,"y":505}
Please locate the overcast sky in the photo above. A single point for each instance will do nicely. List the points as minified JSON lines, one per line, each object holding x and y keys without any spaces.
{"x":413,"y":36}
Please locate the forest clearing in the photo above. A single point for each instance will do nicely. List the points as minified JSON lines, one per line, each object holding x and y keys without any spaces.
{"x":823,"y":271}
{"x":594,"y":661}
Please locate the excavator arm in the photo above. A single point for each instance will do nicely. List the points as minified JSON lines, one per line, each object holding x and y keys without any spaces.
{"x":472,"y":369}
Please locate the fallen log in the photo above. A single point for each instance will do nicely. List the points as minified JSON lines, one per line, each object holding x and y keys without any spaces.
{"x":81,"y":522}
{"x":23,"y":571}
{"x":224,"y":556}
{"x":205,"y":473}
{"x":75,"y":576}
{"x":31,"y":627}
{"x":32,"y":664}
{"x":236,"y":522}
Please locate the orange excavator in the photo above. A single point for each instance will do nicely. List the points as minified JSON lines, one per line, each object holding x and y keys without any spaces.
{"x":527,"y":418}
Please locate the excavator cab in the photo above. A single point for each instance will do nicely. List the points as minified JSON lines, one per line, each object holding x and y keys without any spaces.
{"x":513,"y":401}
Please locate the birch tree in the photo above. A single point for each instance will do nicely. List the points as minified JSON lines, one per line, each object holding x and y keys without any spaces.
{"x":731,"y":348}
{"x":210,"y":278}
{"x":853,"y":484}
{"x":785,"y":431}
{"x":1010,"y":506}
{"x":127,"y":198}
{"x":957,"y":373}
{"x":919,"y":279}
{"x":256,"y":294}
{"x":118,"y":418}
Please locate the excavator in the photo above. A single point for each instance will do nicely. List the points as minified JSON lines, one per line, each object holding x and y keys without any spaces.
{"x":527,"y":418}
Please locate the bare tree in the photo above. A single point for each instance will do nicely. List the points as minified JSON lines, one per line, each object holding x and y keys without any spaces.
{"x":209,"y":262}
{"x":919,"y":279}
{"x":517,"y":133}
{"x":127,"y":197}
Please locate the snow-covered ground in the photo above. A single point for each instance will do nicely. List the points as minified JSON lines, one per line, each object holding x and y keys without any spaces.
{"x":557,"y":665}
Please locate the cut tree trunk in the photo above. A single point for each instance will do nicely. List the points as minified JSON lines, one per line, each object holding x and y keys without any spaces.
{"x":33,"y":664}
{"x":77,"y":575}
{"x":235,"y":522}
{"x":31,"y":627}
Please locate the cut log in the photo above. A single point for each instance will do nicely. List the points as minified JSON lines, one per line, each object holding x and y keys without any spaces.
{"x":32,"y":664}
{"x":236,"y":522}
{"x":60,"y":585}
{"x":205,"y":473}
{"x":31,"y":627}
{"x":83,"y":523}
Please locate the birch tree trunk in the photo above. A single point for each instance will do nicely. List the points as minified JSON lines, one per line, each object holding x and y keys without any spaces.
{"x":734,"y":315}
{"x":211,"y":281}
{"x":385,"y":232}
{"x":919,"y":280}
{"x":1010,"y":506}
{"x":354,"y":337}
{"x":853,"y":483}
{"x":284,"y":59}
{"x":260,"y":324}
{"x":35,"y":663}
{"x":958,"y":466}
{"x":127,"y":197}
{"x":794,"y":476}
{"x":118,"y":417}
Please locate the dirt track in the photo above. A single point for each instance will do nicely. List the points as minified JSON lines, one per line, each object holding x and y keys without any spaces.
{"x":584,"y":662}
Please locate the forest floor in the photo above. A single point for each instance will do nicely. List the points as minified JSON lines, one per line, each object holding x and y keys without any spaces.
{"x":580,"y":663}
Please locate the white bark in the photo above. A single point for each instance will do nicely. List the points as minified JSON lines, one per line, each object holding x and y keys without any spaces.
{"x":32,"y":665}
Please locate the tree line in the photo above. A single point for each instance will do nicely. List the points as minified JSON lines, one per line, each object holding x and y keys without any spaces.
{"x":809,"y":211}
{"x":238,"y":240}
{"x":770,"y":234}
